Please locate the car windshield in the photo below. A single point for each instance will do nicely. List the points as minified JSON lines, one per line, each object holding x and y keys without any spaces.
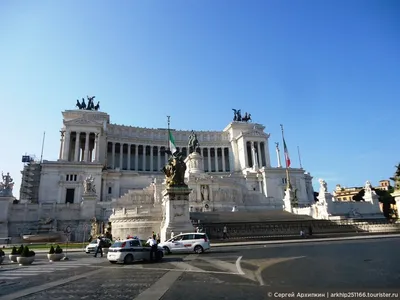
{"x":93,"y":242}
{"x":117,"y":245}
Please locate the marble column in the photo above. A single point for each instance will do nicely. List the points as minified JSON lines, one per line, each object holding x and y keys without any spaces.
{"x":151,"y":158}
{"x":128,"y":167}
{"x":113,"y":156}
{"x":159,"y":158}
{"x":246,"y":156}
{"x":97,"y":148}
{"x":77,"y":145}
{"x":266,"y":153}
{"x":144,"y":158}
{"x":121,"y":155}
{"x":260,"y":162}
{"x":209,"y":159}
{"x":136,"y":157}
{"x":61,"y":144}
{"x":223,"y":160}
{"x":66,"y":145}
{"x":86,"y":156}
{"x":278,"y":155}
{"x":254,"y":156}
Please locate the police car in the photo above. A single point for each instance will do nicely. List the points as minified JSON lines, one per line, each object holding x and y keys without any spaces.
{"x":130,"y":250}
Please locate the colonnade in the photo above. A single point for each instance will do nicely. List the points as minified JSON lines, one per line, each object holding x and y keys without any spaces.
{"x":136,"y":157}
{"x":79,"y":146}
{"x":256,"y":152}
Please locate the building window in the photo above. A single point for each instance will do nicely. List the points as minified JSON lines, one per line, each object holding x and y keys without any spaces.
{"x":67,"y":178}
{"x":109,"y":190}
{"x":284,"y":180}
{"x":69,"y":197}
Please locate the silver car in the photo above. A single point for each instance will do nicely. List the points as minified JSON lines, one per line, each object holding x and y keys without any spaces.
{"x":128,"y":251}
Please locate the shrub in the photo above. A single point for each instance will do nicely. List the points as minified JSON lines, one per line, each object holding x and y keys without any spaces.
{"x":58,"y":250}
{"x":51,"y":250}
{"x":20,"y":249}
{"x":27,"y":253}
{"x":2,"y":253}
{"x":14,"y":251}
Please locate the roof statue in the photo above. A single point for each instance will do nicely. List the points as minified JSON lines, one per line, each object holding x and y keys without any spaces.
{"x":90,"y":104}
{"x":237,"y":116}
{"x":175,"y":171}
{"x":193,"y":143}
{"x":6,"y":186}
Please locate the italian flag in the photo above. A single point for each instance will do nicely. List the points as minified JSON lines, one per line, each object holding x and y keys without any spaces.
{"x":285,"y":150}
{"x":172,"y":145}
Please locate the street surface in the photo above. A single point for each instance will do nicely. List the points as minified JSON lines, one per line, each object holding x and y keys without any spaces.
{"x":243,"y":272}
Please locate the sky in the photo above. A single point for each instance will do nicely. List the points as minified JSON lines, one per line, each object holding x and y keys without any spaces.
{"x":328,"y":71}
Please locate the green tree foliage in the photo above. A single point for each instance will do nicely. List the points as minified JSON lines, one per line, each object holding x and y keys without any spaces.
{"x":384,"y":197}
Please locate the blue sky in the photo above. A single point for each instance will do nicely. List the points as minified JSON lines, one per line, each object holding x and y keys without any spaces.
{"x":328,"y":70}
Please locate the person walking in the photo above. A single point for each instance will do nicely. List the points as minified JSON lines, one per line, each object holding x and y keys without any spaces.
{"x":225,"y":233}
{"x":99,"y":248}
{"x":153,"y":251}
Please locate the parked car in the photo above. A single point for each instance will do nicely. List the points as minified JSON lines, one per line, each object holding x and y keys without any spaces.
{"x":130,"y":250}
{"x":92,"y":247}
{"x":187,"y":242}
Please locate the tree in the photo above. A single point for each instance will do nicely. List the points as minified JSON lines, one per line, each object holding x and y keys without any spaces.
{"x":396,"y":177}
{"x":384,"y":197}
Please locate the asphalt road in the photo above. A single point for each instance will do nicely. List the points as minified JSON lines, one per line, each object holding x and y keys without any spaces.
{"x":246,"y":272}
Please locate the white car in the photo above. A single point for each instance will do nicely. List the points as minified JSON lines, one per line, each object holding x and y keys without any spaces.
{"x":92,"y":247}
{"x":130,"y":250}
{"x":187,"y":242}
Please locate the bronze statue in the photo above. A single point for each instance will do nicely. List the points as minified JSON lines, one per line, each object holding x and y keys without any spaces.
{"x":193,"y":143}
{"x":247,"y":117}
{"x":175,"y":171}
{"x":237,"y":116}
{"x":90,"y":105}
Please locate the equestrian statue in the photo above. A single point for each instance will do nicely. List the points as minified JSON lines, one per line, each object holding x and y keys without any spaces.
{"x":193,"y":143}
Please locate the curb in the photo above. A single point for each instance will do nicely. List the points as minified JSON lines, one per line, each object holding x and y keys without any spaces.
{"x":305,"y":240}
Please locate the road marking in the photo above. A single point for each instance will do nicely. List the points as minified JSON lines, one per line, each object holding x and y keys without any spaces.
{"x":8,"y":278}
{"x":238,"y":266}
{"x":263,"y":264}
{"x":46,"y":286}
{"x":184,"y":266}
{"x":191,"y":257}
{"x":160,"y":287}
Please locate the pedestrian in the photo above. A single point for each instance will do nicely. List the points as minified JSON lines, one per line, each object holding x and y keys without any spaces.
{"x":158,"y":238}
{"x":310,"y":230}
{"x":99,"y":248}
{"x":225,"y":233}
{"x":154,"y":236}
{"x":172,"y":234}
{"x":153,"y":244}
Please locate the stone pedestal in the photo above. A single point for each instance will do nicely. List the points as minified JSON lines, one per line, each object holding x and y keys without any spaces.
{"x":88,"y":206}
{"x":176,"y":210}
{"x":194,"y":163}
{"x":396,"y":195}
{"x":5,"y":203}
{"x":288,"y":200}
{"x":323,"y":205}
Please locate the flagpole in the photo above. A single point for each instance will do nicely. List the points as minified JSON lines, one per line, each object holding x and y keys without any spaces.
{"x":168,"y":117}
{"x":298,"y":151}
{"x":288,"y":185}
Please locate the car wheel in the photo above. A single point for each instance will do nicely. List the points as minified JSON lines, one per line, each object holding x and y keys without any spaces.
{"x":167,"y":250}
{"x":128,"y":259}
{"x":198,"y":249}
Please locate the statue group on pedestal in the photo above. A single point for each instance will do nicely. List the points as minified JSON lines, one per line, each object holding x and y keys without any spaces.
{"x":90,"y":105}
{"x":175,"y":171}
{"x":7,"y":185}
{"x":237,"y":116}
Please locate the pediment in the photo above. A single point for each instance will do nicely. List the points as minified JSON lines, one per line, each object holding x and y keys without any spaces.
{"x":81,"y":121}
{"x":255,"y":132}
